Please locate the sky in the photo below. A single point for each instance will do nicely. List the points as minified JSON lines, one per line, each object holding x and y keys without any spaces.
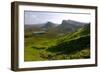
{"x":37,"y":17}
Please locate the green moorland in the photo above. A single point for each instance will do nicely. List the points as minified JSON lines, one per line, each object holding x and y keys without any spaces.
{"x":75,"y":45}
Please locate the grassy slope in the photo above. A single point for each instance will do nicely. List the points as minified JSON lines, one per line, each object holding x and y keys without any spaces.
{"x":43,"y":48}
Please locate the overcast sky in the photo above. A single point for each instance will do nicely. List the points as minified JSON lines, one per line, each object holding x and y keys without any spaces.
{"x":36,"y":17}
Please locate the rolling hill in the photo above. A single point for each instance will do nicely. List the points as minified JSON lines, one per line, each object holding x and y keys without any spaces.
{"x":73,"y":42}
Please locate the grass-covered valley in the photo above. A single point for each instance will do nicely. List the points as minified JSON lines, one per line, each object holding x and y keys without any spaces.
{"x":50,"y":41}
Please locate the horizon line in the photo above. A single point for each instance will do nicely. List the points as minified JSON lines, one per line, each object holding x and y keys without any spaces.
{"x":56,"y":23}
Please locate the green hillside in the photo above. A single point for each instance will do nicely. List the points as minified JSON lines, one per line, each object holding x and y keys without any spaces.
{"x":75,"y":45}
{"x":72,"y":45}
{"x":76,"y":34}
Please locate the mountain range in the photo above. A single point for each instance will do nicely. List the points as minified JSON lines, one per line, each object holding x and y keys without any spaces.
{"x":66,"y":27}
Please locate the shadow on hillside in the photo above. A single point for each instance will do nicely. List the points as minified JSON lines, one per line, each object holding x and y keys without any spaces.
{"x":71,"y":46}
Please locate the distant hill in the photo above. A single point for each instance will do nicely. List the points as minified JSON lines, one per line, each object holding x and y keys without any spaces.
{"x":75,"y":22}
{"x":43,"y":26}
{"x":32,"y":28}
{"x":68,"y":26}
{"x":48,"y":26}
